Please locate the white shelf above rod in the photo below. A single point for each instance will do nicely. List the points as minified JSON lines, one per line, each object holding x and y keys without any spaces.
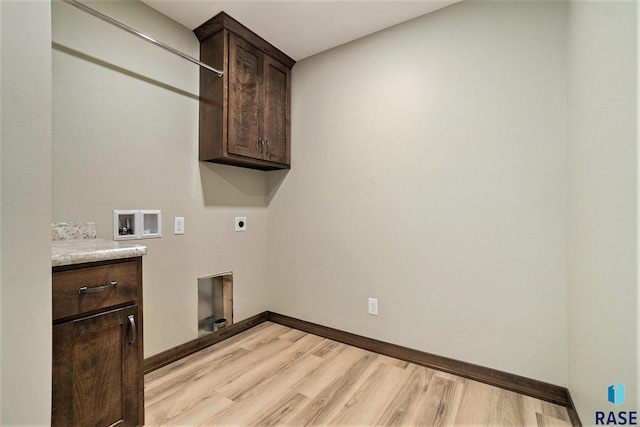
{"x":143,"y":36}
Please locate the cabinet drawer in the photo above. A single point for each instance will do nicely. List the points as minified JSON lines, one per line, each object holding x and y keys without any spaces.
{"x":87,"y":289}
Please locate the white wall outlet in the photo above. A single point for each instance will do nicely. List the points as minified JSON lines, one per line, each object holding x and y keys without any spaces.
{"x":178,"y":225}
{"x":241,"y":223}
{"x":373,"y":306}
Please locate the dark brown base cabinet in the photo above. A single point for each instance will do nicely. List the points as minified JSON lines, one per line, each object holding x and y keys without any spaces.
{"x":98,"y":375}
{"x":245,"y":115}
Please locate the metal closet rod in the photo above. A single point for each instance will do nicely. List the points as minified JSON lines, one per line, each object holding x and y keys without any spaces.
{"x":143,"y":36}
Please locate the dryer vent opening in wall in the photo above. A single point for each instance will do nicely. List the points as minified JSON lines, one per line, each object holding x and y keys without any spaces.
{"x":215,"y":302}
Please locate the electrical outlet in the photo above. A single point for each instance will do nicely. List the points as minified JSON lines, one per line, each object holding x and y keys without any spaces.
{"x":241,"y":223}
{"x":373,"y":306}
{"x":178,"y":225}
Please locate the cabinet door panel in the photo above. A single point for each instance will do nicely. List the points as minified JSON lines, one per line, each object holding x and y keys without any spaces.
{"x":96,"y":378}
{"x":276,"y":111}
{"x":245,"y":98}
{"x":97,"y":370}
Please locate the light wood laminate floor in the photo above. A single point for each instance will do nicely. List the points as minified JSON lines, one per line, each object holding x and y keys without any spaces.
{"x":275,"y":375}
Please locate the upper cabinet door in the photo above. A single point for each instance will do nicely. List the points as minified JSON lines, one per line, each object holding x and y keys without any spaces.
{"x":245,"y":98}
{"x":277,"y":111}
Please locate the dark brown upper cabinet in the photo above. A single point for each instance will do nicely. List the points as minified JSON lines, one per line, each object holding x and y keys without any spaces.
{"x":245,"y":115}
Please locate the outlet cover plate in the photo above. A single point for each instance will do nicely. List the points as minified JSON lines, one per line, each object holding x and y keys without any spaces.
{"x":373,"y":306}
{"x":241,"y":223}
{"x":178,"y":225}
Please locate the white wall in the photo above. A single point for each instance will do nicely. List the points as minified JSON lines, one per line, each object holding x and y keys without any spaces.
{"x":603,"y":197}
{"x":429,"y":171}
{"x":25,"y":213}
{"x":125,"y":136}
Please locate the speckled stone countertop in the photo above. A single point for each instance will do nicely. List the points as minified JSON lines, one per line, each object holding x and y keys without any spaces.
{"x":76,"y":243}
{"x":68,"y":252}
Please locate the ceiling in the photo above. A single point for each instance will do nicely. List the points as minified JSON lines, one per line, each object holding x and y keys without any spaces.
{"x":301,"y":28}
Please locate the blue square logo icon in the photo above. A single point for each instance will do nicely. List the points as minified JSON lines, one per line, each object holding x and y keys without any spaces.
{"x":616,"y":394}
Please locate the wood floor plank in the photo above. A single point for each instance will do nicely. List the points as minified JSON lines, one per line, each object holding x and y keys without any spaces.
{"x":220,"y":370}
{"x":254,"y":380}
{"x":335,"y":363}
{"x":327,"y":348}
{"x":274,"y":375}
{"x":293,"y":335}
{"x":476,"y":399}
{"x":218,"y":352}
{"x":552,"y":410}
{"x":394,"y":362}
{"x":529,"y":411}
{"x":548,"y":421}
{"x":371,"y":399}
{"x":321,"y":408}
{"x":441,"y":402}
{"x":186,"y":374}
{"x":509,"y":409}
{"x":246,"y":412}
{"x":182,"y":400}
{"x":280,"y":412}
{"x":186,"y":410}
{"x":404,"y":408}
{"x":341,"y":402}
{"x":267,"y":335}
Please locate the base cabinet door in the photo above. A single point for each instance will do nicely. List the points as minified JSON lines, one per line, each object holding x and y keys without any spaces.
{"x":97,"y":370}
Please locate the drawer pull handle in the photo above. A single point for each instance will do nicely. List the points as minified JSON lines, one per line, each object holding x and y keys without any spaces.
{"x":134,"y":330}
{"x":86,"y":290}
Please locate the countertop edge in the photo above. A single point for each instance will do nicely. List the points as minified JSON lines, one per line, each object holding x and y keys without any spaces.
{"x":81,"y":251}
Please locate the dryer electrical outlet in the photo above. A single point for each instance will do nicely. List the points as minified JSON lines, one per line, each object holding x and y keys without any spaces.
{"x":241,"y":223}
